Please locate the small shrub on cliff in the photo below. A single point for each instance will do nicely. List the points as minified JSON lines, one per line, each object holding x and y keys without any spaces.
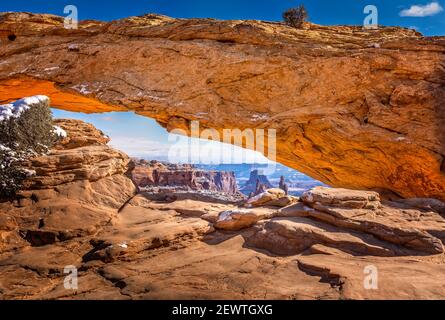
{"x":295,"y":17}
{"x":11,"y":176}
{"x":27,"y":126}
{"x":26,"y":130}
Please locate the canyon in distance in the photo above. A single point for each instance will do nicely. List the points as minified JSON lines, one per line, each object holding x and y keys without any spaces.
{"x":359,"y":110}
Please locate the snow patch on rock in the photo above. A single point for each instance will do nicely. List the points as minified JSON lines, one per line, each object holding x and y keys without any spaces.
{"x":29,"y":173}
{"x":258,"y":197}
{"x":16,"y":108}
{"x":228,"y":215}
{"x":4,"y":148}
{"x":82,"y":88}
{"x":123,"y":245}
{"x":51,"y":68}
{"x":58,"y":131}
{"x":225,"y":216}
{"x":260,"y":117}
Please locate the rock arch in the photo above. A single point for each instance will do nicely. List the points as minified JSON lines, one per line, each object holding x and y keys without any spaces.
{"x":347,"y":112}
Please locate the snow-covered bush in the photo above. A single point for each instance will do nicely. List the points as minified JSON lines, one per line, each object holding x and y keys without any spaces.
{"x":26,"y":130}
{"x":27,"y":126}
{"x":11,"y":176}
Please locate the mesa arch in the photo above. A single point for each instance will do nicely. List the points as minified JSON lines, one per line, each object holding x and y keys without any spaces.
{"x":352,"y":108}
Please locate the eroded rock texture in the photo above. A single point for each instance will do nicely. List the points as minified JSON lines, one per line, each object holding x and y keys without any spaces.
{"x":352,"y":108}
{"x":75,"y":191}
{"x":157,"y":174}
{"x":81,"y":209}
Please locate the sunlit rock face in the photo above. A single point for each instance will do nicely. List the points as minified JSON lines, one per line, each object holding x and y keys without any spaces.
{"x":73,"y":190}
{"x":347,"y":112}
{"x":157,"y":174}
{"x":83,"y":155}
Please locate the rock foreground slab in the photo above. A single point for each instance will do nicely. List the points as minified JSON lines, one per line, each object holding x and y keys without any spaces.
{"x":82,"y":210}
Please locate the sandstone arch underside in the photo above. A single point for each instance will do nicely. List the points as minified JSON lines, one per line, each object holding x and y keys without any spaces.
{"x":352,"y":108}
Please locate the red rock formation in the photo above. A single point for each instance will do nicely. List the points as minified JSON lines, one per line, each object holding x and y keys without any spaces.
{"x":76,"y":189}
{"x":256,"y":180}
{"x":157,"y":174}
{"x":347,"y":112}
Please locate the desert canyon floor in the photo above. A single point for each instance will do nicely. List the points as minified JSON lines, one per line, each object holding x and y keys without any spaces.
{"x":82,"y":209}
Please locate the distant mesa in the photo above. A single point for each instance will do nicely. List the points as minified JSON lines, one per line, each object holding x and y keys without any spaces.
{"x":163,"y":178}
{"x":257,"y":177}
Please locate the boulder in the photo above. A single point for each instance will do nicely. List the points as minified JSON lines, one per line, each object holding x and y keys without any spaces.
{"x":362,"y":211}
{"x":342,"y":198}
{"x":242,"y":218}
{"x":81,"y":134}
{"x":289,"y":236}
{"x":265,"y":197}
{"x":282,"y":202}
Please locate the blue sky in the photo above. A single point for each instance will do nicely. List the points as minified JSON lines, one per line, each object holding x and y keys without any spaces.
{"x":143,"y":137}
{"x":140,"y":136}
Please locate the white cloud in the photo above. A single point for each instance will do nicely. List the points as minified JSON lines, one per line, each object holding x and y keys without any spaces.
{"x":183,"y":149}
{"x":134,"y":146}
{"x":429,"y":9}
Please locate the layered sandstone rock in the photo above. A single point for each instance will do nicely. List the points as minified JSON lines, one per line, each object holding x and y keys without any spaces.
{"x":289,"y":236}
{"x":83,"y":155}
{"x":274,"y":197}
{"x":342,"y":198}
{"x":352,"y":108}
{"x":330,"y":217}
{"x":153,"y":250}
{"x":158,"y":174}
{"x":76,"y":188}
{"x":255,"y":180}
{"x":241,"y":218}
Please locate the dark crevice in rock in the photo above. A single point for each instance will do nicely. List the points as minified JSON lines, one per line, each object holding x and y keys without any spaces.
{"x":335,"y":280}
{"x":38,"y":238}
{"x":93,"y":254}
{"x":34,"y":198}
{"x":126,"y":203}
{"x":118,"y":283}
{"x":229,"y":41}
{"x":442,"y":166}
